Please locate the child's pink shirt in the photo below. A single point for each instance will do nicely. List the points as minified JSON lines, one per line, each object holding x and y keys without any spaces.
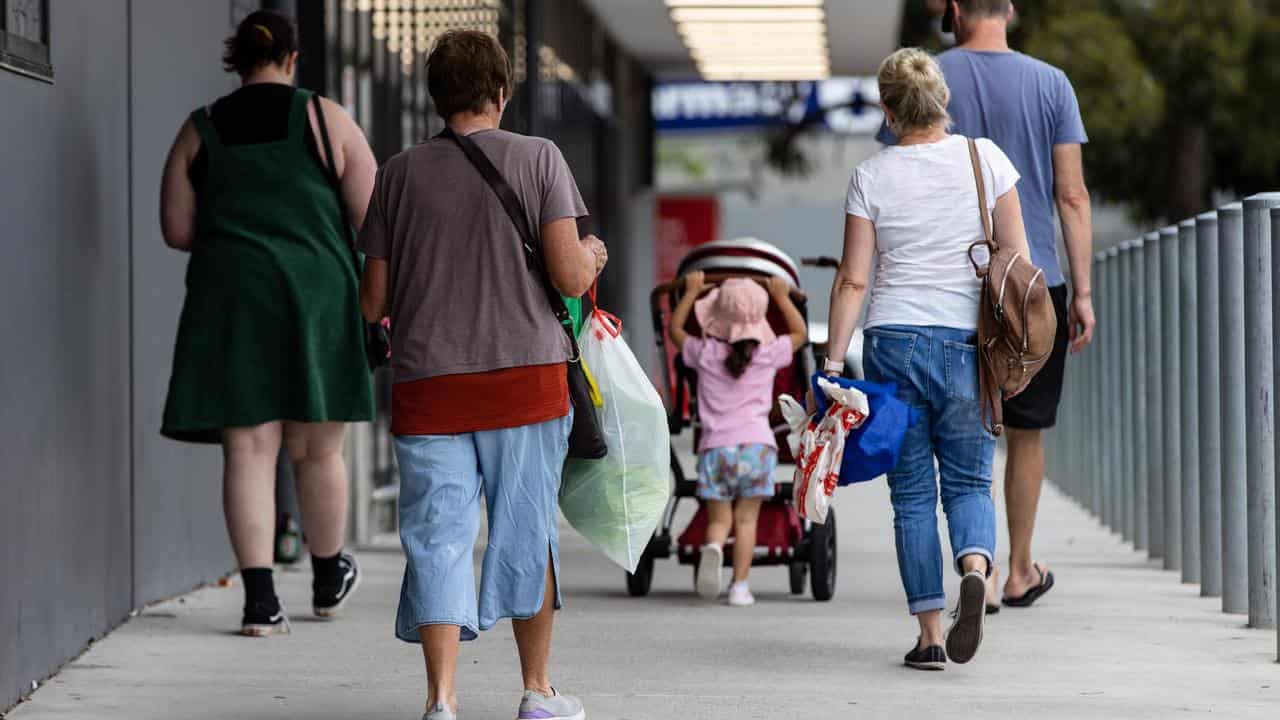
{"x":735,"y":411}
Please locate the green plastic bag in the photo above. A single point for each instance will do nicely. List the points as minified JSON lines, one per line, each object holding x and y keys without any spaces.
{"x":574,"y":306}
{"x":617,"y":501}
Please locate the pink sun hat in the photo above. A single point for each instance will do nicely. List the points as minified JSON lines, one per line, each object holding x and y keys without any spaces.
{"x":735,"y":311}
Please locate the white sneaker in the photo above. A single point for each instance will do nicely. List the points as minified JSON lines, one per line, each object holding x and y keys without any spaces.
{"x":710,"y":566}
{"x":740,"y":595}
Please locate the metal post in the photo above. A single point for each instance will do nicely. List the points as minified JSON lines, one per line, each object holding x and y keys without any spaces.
{"x":1073,"y":422}
{"x":1079,"y":402}
{"x":1155,"y":405}
{"x":1209,"y":411}
{"x":1138,"y":378}
{"x":1275,"y":234}
{"x":1098,"y":350}
{"x":1259,"y":378}
{"x":1093,"y":427}
{"x":1171,"y":394}
{"x":1067,"y":481}
{"x":1125,"y":434}
{"x":1189,"y":453}
{"x":1235,"y":535}
{"x":1111,"y":391}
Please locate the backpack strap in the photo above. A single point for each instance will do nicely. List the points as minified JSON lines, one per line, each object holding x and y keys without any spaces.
{"x":988,"y":233}
{"x":992,"y":398}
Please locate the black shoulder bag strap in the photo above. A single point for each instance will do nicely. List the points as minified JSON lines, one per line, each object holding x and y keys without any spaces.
{"x":331,"y":172}
{"x":376,"y":340}
{"x":515,"y":210}
{"x":586,"y":440}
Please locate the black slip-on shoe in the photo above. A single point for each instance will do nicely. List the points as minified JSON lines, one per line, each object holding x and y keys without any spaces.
{"x":264,"y":620}
{"x":926,"y":658}
{"x":965,"y":634}
{"x":329,"y":595}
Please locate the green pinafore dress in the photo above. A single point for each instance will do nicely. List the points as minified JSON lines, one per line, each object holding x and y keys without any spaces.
{"x":271,"y":326}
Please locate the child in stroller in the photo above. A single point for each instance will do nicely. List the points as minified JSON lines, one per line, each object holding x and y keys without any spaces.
{"x":736,"y":361}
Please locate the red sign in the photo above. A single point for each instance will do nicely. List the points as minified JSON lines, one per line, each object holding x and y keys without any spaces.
{"x":683,"y":223}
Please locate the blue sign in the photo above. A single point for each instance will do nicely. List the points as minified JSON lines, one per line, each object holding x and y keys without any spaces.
{"x":838,"y":104}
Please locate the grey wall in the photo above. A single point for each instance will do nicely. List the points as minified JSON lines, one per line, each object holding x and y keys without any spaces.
{"x":88,"y":533}
{"x":179,"y":536}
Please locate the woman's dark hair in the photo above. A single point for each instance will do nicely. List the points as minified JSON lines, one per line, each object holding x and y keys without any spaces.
{"x":740,"y":355}
{"x":465,"y":71}
{"x":263,"y":37}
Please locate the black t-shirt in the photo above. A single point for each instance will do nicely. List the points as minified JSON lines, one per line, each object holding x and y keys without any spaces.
{"x":256,"y":113}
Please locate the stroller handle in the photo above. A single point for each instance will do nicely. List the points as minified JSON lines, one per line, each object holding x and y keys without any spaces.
{"x":715,"y":278}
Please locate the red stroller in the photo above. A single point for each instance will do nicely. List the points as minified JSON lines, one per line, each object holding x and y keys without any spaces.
{"x":783,"y":538}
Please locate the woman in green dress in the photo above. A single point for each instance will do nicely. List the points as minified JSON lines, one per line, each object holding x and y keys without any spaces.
{"x":269,"y":348}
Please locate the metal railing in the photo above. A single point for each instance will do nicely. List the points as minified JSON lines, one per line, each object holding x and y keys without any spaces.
{"x":1168,"y":424}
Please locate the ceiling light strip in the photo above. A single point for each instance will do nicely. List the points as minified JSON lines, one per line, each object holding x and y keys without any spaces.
{"x":754,"y":39}
{"x":743,"y":3}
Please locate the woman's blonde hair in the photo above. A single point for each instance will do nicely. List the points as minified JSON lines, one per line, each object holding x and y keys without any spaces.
{"x":913,"y":88}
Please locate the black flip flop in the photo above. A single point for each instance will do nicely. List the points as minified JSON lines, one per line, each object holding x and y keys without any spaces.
{"x":1030,"y":596}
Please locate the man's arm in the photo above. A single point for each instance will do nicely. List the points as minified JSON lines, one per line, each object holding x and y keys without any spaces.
{"x":1072,"y":197}
{"x":373,"y":290}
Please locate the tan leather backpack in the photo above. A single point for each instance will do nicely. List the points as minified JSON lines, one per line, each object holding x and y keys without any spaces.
{"x":1016,"y":319}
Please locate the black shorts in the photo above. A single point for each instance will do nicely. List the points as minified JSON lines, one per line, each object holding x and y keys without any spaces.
{"x":1036,"y":408}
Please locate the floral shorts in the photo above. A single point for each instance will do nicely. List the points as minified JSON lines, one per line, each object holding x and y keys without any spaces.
{"x":740,"y":471}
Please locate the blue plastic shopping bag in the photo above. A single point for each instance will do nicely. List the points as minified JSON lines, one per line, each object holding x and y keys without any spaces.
{"x":872,"y":449}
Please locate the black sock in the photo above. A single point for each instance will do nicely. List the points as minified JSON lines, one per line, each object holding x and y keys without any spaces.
{"x":259,"y":587}
{"x":326,"y":571}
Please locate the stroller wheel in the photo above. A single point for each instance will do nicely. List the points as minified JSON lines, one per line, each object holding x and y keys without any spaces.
{"x":799,"y":573}
{"x":822,"y":559}
{"x":639,"y":582}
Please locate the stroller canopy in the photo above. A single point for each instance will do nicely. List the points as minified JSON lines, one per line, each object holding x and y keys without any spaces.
{"x":742,"y":255}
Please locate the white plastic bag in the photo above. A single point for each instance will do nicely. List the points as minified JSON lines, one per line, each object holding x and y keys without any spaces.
{"x":822,"y":449}
{"x":797,"y":419}
{"x":617,"y":501}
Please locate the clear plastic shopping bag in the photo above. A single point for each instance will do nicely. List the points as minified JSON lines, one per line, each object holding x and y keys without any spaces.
{"x":617,"y":501}
{"x":821,"y":447}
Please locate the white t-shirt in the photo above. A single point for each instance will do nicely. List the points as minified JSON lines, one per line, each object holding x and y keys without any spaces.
{"x":923,"y":201}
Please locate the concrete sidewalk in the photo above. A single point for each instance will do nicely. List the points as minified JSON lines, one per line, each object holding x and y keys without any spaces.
{"x":1117,"y":638}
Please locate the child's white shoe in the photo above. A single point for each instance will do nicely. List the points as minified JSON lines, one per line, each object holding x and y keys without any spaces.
{"x":740,"y":595}
{"x":710,"y":566}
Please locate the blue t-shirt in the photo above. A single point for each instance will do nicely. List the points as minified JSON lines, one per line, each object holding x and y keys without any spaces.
{"x":1025,"y":106}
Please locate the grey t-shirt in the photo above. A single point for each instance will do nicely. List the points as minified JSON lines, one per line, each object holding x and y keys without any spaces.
{"x":1025,"y":106}
{"x":462,"y":298}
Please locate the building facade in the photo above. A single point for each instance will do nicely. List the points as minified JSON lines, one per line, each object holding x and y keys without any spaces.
{"x":100,"y":515}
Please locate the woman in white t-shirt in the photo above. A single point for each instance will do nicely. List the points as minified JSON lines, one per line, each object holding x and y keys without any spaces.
{"x":914,"y":207}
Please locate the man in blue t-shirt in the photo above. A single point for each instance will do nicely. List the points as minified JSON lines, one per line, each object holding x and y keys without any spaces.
{"x":1029,"y":109}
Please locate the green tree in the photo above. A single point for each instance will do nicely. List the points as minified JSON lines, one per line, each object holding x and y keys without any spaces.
{"x":1174,"y":94}
{"x":1180,"y":97}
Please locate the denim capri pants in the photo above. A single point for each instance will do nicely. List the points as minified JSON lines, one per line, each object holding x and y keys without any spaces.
{"x":441,"y":479}
{"x":947,"y":451}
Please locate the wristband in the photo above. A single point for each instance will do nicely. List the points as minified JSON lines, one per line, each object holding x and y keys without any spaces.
{"x":834,"y":367}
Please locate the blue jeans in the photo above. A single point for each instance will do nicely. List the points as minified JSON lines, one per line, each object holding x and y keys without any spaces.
{"x":936,"y":371}
{"x":441,"y":478}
